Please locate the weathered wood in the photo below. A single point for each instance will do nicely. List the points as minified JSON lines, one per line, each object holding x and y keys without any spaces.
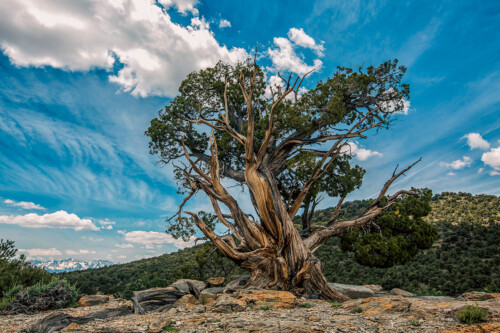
{"x":60,"y":320}
{"x":152,"y":299}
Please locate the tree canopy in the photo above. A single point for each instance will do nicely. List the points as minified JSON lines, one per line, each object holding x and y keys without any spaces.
{"x":287,"y":148}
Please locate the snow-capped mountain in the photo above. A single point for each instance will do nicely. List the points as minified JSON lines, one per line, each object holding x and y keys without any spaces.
{"x":70,"y":264}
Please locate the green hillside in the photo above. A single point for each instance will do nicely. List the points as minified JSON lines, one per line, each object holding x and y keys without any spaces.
{"x":465,"y":257}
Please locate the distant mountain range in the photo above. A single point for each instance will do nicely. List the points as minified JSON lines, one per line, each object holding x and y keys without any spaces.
{"x":70,"y":264}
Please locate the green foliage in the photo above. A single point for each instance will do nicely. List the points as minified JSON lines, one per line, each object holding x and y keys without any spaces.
{"x":471,"y":314}
{"x":415,"y":322}
{"x":357,"y":310}
{"x":264,"y":308}
{"x":336,"y":304}
{"x":18,"y":272}
{"x":395,"y":237}
{"x":305,"y":305}
{"x":170,"y":327}
{"x":40,"y":297}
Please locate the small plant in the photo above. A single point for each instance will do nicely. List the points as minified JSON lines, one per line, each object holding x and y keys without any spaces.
{"x":170,"y":327}
{"x":471,"y":314}
{"x":216,"y":320}
{"x":305,"y":305}
{"x":250,"y":306}
{"x":336,"y":304}
{"x":415,"y":322}
{"x":203,"y":299}
{"x":357,"y":310}
{"x":264,"y":308}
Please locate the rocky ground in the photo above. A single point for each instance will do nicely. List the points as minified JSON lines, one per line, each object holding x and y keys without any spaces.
{"x":278,"y":311}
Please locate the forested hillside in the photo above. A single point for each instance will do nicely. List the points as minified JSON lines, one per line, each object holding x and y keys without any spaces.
{"x":465,"y":257}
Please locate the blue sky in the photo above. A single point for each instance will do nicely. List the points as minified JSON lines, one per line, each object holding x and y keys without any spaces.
{"x":81,"y":80}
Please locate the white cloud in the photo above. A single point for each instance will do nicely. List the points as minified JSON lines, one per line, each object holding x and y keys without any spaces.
{"x":106,"y":224}
{"x":122,"y":232}
{"x":73,"y":253}
{"x":183,"y":6}
{"x":480,"y":170}
{"x":475,"y":140}
{"x":58,"y":220}
{"x":494,"y":173}
{"x":451,"y":173}
{"x":492,"y":158}
{"x":361,"y":154}
{"x":125,"y":246}
{"x":155,"y":52}
{"x":458,"y":164}
{"x":41,"y":252}
{"x":223,"y":23}
{"x":299,"y":37}
{"x":152,"y":238}
{"x":284,"y":57}
{"x":122,"y":257}
{"x":23,"y":204}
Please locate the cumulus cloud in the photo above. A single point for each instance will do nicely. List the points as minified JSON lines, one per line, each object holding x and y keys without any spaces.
{"x":285,"y":58}
{"x":361,"y":154}
{"x":41,"y":252}
{"x":152,"y":239}
{"x":475,"y":140}
{"x":300,"y":38}
{"x":154,"y":53}
{"x":23,"y":204}
{"x":492,"y":159}
{"x":223,"y":23}
{"x":466,"y":161}
{"x":57,"y":220}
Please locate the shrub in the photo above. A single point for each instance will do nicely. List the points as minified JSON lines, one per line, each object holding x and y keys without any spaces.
{"x":336,"y":304}
{"x":170,"y":327}
{"x":305,"y":305}
{"x":264,"y":307}
{"x":40,"y":297}
{"x":357,"y":310}
{"x":414,"y":322}
{"x":471,"y":314}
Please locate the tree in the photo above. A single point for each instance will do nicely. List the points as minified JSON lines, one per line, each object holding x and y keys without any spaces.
{"x":287,"y":150}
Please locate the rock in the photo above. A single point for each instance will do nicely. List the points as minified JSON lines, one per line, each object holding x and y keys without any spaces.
{"x":186,"y":301}
{"x":238,"y":283}
{"x":479,"y":296}
{"x":352,"y":291}
{"x":401,"y":292}
{"x":90,"y":300}
{"x":274,"y":298}
{"x":374,"y":287}
{"x":229,"y":304}
{"x":436,"y":298}
{"x":216,"y":281}
{"x":184,"y":287}
{"x":214,"y":290}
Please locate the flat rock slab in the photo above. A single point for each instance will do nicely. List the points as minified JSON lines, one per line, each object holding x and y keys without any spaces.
{"x":90,"y":300}
{"x":352,"y":291}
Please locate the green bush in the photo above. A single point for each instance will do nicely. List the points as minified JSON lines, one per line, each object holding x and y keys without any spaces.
{"x":18,"y":272}
{"x":471,"y":314}
{"x":40,"y":297}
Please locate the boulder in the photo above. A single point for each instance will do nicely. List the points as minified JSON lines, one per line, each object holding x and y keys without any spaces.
{"x":183,"y":285}
{"x":229,"y":304}
{"x":216,"y":281}
{"x":186,"y":302}
{"x":158,"y":299}
{"x":401,"y":292}
{"x":352,"y":291}
{"x":374,"y":287}
{"x":479,"y":296}
{"x":274,"y":298}
{"x":238,"y":283}
{"x":90,"y":300}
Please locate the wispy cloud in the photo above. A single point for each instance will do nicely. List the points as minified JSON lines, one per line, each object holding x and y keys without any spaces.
{"x":41,"y":252}
{"x":23,"y":204}
{"x":475,"y":140}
